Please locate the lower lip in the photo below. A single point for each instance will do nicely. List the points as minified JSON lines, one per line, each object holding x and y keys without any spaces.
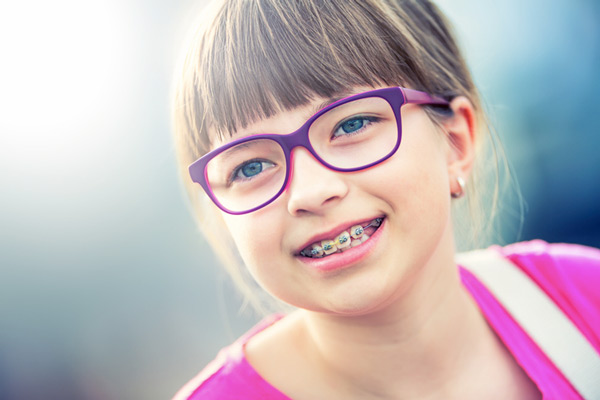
{"x":347,"y":258}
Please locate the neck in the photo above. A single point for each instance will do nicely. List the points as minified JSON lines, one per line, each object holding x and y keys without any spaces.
{"x":411,"y":345}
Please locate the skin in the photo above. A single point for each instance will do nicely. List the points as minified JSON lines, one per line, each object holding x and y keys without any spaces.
{"x":398,"y":324}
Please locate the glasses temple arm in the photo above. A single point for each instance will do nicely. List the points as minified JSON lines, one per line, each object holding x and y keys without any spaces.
{"x":418,"y":97}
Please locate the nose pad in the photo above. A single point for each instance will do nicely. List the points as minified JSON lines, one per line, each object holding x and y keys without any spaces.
{"x":312,"y":187}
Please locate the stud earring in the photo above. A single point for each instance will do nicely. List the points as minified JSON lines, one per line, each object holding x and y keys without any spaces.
{"x":461,"y":185}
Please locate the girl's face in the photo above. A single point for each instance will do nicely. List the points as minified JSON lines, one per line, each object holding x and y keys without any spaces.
{"x":410,"y":192}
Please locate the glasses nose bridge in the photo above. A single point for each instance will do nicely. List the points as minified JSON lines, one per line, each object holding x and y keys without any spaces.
{"x":298,"y":138}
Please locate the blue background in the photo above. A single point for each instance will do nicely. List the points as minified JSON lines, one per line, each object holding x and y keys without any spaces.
{"x":107,"y":290}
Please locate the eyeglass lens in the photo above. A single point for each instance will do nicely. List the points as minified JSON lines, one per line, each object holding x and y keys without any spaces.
{"x":352,"y":135}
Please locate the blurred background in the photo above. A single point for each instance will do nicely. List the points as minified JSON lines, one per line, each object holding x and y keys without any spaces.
{"x":107,"y":290}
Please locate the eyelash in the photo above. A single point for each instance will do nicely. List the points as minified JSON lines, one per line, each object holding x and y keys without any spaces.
{"x":233,"y":177}
{"x":369,"y":119}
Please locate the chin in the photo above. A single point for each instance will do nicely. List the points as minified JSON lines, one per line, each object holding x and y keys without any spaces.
{"x":359,"y":298}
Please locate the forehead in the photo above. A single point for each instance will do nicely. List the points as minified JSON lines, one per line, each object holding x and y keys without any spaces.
{"x":283,"y":121}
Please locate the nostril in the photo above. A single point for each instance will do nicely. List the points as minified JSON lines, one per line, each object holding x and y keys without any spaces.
{"x":329,"y":200}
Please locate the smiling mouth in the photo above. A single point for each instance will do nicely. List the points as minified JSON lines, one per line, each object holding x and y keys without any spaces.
{"x":352,"y":237}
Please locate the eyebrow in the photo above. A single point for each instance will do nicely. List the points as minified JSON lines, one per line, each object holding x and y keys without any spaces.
{"x":331,"y":100}
{"x":232,"y":150}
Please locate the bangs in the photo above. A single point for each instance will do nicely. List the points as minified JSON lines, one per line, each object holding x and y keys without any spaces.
{"x":261,"y":57}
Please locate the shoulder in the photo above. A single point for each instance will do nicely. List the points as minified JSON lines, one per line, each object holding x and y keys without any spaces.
{"x":559,"y":267}
{"x":569,"y":274}
{"x":558,"y":264}
{"x":564,"y":251}
{"x":207,"y":383}
{"x":229,"y":376}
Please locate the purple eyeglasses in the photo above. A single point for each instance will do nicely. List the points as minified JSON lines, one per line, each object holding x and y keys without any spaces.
{"x":351,"y":134}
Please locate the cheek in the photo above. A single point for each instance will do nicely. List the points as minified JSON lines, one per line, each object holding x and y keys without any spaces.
{"x":414,"y":182}
{"x":257,"y":238}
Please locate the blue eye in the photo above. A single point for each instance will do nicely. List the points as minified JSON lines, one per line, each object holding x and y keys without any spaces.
{"x":251,"y":169}
{"x":353,"y":125}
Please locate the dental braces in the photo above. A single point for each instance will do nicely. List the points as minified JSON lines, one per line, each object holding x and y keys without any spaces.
{"x":341,"y":240}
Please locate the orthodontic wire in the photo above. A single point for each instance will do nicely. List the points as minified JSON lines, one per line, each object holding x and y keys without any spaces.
{"x":375,"y":221}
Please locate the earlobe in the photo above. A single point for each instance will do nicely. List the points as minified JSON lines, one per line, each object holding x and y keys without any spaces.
{"x":461,"y":131}
{"x":457,"y":194}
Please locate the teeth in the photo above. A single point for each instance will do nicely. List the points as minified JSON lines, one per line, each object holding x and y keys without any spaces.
{"x":357,"y":231}
{"x":343,"y":240}
{"x":316,"y":251}
{"x":328,"y":247}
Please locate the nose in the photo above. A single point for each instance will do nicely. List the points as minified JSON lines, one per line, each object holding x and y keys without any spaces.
{"x":313,"y":188}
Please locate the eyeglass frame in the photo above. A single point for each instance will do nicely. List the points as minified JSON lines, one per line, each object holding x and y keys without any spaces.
{"x":396,"y":98}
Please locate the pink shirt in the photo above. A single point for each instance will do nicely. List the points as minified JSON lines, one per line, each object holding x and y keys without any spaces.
{"x":569,"y":274}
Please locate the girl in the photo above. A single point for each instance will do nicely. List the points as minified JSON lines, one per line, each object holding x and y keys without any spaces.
{"x":326,"y":142}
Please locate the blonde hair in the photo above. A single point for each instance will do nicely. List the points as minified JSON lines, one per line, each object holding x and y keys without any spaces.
{"x":254,"y":58}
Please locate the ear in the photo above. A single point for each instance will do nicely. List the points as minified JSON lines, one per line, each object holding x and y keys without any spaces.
{"x":461,"y":129}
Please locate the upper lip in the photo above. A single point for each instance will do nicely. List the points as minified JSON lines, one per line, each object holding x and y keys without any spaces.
{"x":333,"y":232}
